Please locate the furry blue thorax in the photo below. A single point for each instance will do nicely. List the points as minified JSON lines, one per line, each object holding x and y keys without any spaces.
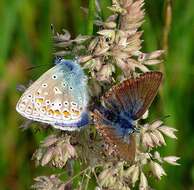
{"x":121,"y":121}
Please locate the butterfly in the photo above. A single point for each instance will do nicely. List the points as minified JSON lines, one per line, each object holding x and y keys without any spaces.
{"x":59,"y":97}
{"x":121,"y":107}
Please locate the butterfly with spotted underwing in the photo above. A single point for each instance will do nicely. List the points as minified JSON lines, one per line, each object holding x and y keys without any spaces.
{"x":59,"y":97}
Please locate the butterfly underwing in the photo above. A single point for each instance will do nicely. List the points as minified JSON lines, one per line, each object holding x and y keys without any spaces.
{"x":121,"y":107}
{"x":59,"y":97}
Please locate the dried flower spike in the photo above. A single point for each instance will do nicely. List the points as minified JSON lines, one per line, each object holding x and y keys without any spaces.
{"x":113,"y":54}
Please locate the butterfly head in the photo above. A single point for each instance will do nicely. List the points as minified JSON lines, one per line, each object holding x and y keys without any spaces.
{"x":57,"y":60}
{"x":68,"y":64}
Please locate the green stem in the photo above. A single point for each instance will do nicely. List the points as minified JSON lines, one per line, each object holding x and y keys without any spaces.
{"x":91,"y":14}
{"x":75,"y":176}
{"x":95,"y":175}
{"x":88,"y":179}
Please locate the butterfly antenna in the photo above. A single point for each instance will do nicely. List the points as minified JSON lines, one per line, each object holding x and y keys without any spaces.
{"x":165,"y":117}
{"x":161,"y":118}
{"x":52,"y":29}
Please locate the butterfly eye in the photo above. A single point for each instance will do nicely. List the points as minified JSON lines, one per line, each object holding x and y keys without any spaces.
{"x":54,"y":77}
{"x":70,"y":88}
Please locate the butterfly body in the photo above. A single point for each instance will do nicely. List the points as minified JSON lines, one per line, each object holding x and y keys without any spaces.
{"x":59,"y":97}
{"x":121,"y":107}
{"x":121,"y":121}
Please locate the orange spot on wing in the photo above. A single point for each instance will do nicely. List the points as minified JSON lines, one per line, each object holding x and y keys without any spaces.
{"x":66,"y":114}
{"x":57,"y":112}
{"x":50,"y":112}
{"x":44,"y":108}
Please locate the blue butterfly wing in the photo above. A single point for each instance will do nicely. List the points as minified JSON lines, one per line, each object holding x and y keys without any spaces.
{"x":74,"y":92}
{"x":123,"y":104}
{"x":134,"y":96}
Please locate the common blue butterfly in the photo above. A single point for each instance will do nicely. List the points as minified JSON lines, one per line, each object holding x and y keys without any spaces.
{"x":59,"y":97}
{"x":121,"y":106}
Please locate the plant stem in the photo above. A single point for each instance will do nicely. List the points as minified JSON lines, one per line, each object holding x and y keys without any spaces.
{"x":167,"y":25}
{"x":70,"y":173}
{"x":166,"y":32}
{"x":91,"y":14}
{"x":88,"y":179}
{"x":95,"y":175}
{"x":72,"y":178}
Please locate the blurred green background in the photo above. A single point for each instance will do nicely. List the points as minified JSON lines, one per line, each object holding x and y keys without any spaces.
{"x":25,"y":41}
